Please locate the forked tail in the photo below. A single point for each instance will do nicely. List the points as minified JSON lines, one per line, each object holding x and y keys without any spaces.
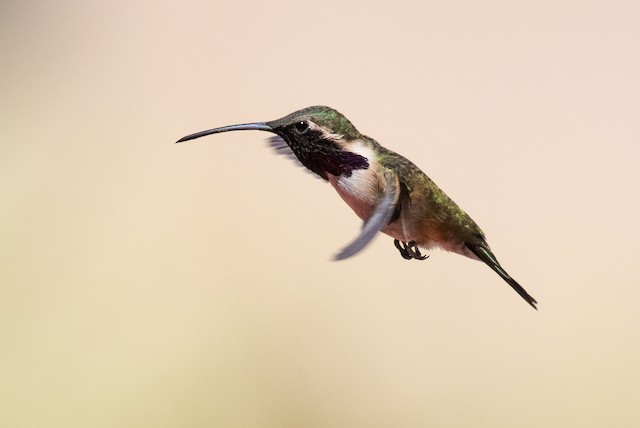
{"x":485,"y":254}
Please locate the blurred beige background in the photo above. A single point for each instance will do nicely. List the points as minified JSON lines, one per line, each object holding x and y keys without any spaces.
{"x":145,"y":284}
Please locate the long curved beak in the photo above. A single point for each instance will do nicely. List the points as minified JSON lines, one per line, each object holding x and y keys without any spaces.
{"x":257,"y":126}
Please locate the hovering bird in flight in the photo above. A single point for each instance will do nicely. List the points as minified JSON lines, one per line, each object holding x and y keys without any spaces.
{"x":388,"y":192}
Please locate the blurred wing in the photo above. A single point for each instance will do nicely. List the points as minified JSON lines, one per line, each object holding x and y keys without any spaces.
{"x":378,"y":220}
{"x":282,"y":148}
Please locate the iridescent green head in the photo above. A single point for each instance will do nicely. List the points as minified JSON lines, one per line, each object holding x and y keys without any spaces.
{"x":331,"y":121}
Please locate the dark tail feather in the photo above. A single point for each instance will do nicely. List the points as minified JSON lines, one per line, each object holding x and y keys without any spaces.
{"x":484,"y":254}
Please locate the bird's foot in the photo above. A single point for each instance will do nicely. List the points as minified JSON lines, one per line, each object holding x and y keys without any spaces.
{"x":403,"y":250}
{"x":409,"y":250}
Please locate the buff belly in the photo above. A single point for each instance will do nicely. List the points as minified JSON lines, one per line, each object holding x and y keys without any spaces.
{"x":362,"y":192}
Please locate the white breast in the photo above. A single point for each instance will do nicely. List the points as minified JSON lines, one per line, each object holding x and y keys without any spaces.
{"x":362,"y":189}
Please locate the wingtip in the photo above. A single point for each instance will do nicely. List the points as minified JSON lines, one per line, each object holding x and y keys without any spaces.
{"x":340,"y":256}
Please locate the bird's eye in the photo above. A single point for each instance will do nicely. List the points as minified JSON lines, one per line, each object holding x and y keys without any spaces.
{"x":301,"y":127}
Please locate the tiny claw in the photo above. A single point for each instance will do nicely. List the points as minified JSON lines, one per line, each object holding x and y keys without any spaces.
{"x":403,"y":251}
{"x":415,"y":251}
{"x":409,"y":250}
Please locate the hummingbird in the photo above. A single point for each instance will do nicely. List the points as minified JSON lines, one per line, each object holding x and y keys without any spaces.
{"x":386,"y":191}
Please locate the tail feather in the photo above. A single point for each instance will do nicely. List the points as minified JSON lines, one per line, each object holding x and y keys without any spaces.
{"x":485,"y":254}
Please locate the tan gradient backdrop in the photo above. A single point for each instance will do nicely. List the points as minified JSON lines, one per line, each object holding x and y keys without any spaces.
{"x":145,"y":284}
